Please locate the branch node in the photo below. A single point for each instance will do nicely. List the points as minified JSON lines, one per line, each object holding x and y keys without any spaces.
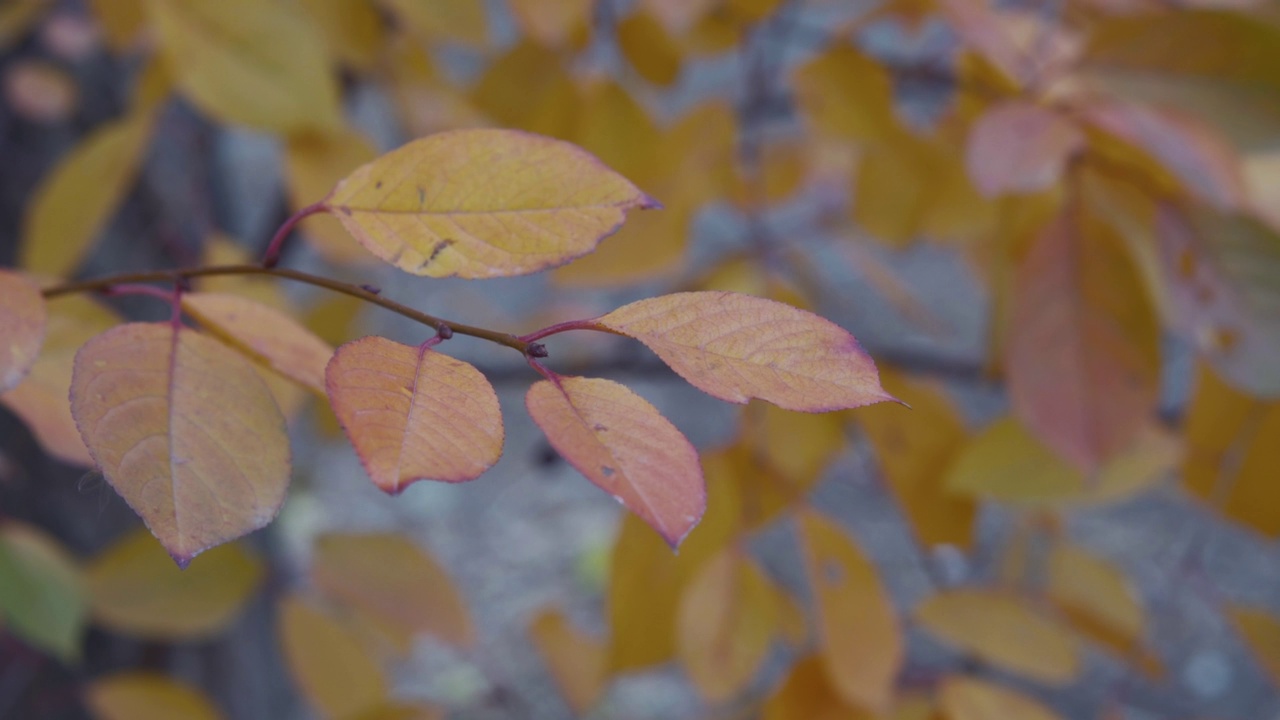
{"x":444,"y":331}
{"x":536,"y":350}
{"x":371,"y":289}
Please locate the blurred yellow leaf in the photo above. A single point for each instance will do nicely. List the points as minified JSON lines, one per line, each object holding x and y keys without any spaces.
{"x":808,"y":693}
{"x":260,"y":63}
{"x":42,"y":593}
{"x":799,"y":446}
{"x":1096,"y":597}
{"x":313,"y":164}
{"x":915,"y":447}
{"x":552,"y":23}
{"x":1261,"y":632}
{"x":727,"y":617}
{"x":483,"y":203}
{"x":220,"y":249}
{"x":121,"y":20}
{"x":575,"y":659}
{"x":846,"y":94}
{"x":460,"y":21}
{"x":962,"y":698}
{"x":147,"y":696}
{"x":862,"y":646}
{"x":527,"y":87}
{"x":352,"y":29}
{"x":393,"y":582}
{"x":135,"y":589}
{"x":79,"y":195}
{"x":334,"y":672}
{"x":1005,"y":630}
{"x":646,"y":44}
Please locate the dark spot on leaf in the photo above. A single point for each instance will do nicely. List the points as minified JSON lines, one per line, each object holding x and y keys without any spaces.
{"x":599,"y":428}
{"x":377,"y":185}
{"x":606,"y":470}
{"x":345,"y":210}
{"x":422,"y":197}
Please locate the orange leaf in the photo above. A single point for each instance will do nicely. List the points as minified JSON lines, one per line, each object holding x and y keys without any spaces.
{"x":625,"y":447}
{"x":727,"y":618}
{"x":1078,"y":292}
{"x":185,"y":431}
{"x":332,"y":668}
{"x":483,"y":203}
{"x":808,"y":693}
{"x":414,"y":414}
{"x":147,"y":696}
{"x":264,"y":334}
{"x":862,"y":643}
{"x":41,"y":399}
{"x":1261,"y":632}
{"x":1097,"y":598}
{"x":1004,"y":630}
{"x":1020,"y":147}
{"x":22,"y":325}
{"x":737,"y":347}
{"x":135,"y":589}
{"x":964,"y":698}
{"x":393,"y":582}
{"x":576,"y":660}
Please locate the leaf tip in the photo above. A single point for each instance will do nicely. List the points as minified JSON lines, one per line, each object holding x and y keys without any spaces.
{"x":649,"y":202}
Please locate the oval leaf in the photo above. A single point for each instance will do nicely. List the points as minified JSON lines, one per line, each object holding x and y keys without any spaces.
{"x":626,"y":447}
{"x":970,"y":699}
{"x":42,"y":595}
{"x":22,"y":325}
{"x":414,"y":414}
{"x":394,"y":583}
{"x":575,"y":659}
{"x":135,"y":589}
{"x":186,"y":432}
{"x":147,"y":696}
{"x":737,"y":347}
{"x":326,"y":659}
{"x":483,"y":203}
{"x":1020,"y":147}
{"x":863,"y":646}
{"x":264,"y":334}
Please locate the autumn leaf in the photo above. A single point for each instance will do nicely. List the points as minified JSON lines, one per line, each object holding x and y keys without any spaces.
{"x":552,"y":23}
{"x":147,"y":696}
{"x":862,"y":646}
{"x":737,"y":347}
{"x":135,"y":589}
{"x":313,"y":164}
{"x":354,"y":31}
{"x":394,"y":583}
{"x":962,"y":698}
{"x":42,"y":592}
{"x":79,"y":195}
{"x":264,"y":334}
{"x":727,"y":618}
{"x":483,"y":203}
{"x":335,"y":673}
{"x":527,"y":87}
{"x":23,"y":321}
{"x":650,"y":49}
{"x":1077,"y":291}
{"x":1020,"y":147}
{"x":459,"y":21}
{"x":251,"y":62}
{"x":808,"y":692}
{"x":164,"y":411}
{"x":1005,"y":630}
{"x":1096,"y":598}
{"x":624,"y":446}
{"x":575,"y":659}
{"x":1261,"y":633}
{"x":846,"y":94}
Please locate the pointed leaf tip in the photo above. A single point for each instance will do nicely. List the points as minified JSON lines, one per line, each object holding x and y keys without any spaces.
{"x":626,"y":448}
{"x":736,"y":347}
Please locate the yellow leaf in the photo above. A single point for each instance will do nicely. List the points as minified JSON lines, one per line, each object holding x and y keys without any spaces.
{"x":73,"y":202}
{"x":260,"y":63}
{"x":121,"y":21}
{"x":575,"y":659}
{"x":1078,"y":290}
{"x":798,"y":445}
{"x":781,"y":172}
{"x":1261,"y":632}
{"x":147,"y":696}
{"x":43,"y":596}
{"x":165,"y":410}
{"x":862,"y":643}
{"x":135,"y":589}
{"x":352,"y":29}
{"x":1231,"y":455}
{"x":808,"y":693}
{"x":1096,"y":598}
{"x":393,"y":582}
{"x":623,"y":445}
{"x":1004,"y":630}
{"x":738,"y":347}
{"x":459,"y":21}
{"x":726,"y":620}
{"x":646,"y":44}
{"x":264,"y":334}
{"x":414,"y":414}
{"x":963,"y":698}
{"x":483,"y":203}
{"x":750,"y":11}
{"x":528,"y":88}
{"x":914,"y":448}
{"x":23,"y":323}
{"x":846,"y":94}
{"x":552,"y":23}
{"x":650,"y":245}
{"x":313,"y":164}
{"x":397,"y":711}
{"x":41,"y":399}
{"x":1020,"y":147}
{"x":327,"y":661}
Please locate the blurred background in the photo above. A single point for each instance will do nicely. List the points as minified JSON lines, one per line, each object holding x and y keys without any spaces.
{"x":1052,"y":224}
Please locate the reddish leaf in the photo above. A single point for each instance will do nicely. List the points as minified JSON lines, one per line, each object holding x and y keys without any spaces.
{"x":22,"y":325}
{"x":1083,"y":349}
{"x":1020,"y":147}
{"x":414,"y":414}
{"x":185,"y":430}
{"x":624,"y":446}
{"x":736,"y":347}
